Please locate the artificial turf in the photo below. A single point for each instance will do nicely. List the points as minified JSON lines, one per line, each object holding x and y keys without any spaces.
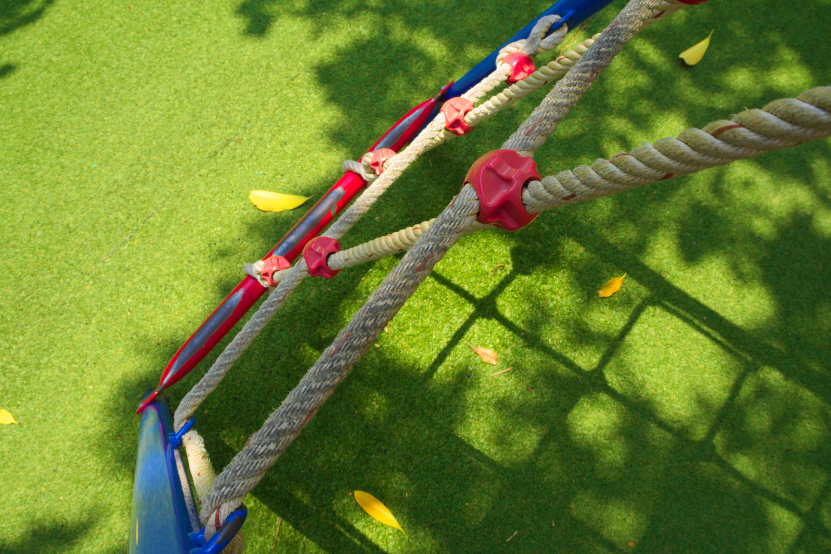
{"x":687,"y":413}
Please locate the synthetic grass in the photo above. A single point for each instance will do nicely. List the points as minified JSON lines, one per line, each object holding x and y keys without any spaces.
{"x":687,"y":413}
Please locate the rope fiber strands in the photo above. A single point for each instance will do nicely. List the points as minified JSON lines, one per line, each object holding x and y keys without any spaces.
{"x":780,"y":124}
{"x":264,"y":447}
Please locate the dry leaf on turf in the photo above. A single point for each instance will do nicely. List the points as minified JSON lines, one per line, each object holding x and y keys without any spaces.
{"x":503,"y":371}
{"x":274,"y":201}
{"x":611,"y":287}
{"x":376,"y":509}
{"x":694,"y":54}
{"x":488,"y":356}
{"x":5,"y":417}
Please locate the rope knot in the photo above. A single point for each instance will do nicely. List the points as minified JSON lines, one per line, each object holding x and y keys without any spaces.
{"x":537,"y":42}
{"x":358,"y":167}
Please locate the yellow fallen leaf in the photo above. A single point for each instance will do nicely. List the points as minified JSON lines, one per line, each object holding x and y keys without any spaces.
{"x":488,"y":356}
{"x":376,"y":509}
{"x":694,"y":54}
{"x":611,"y":287}
{"x":274,"y":201}
{"x":5,"y":417}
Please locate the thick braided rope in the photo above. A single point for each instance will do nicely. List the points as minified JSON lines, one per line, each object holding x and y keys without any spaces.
{"x":248,"y":467}
{"x":187,"y":407}
{"x":519,"y":90}
{"x":396,"y":166}
{"x":780,"y":124}
{"x":372,"y":250}
{"x":333,"y":366}
{"x":636,"y":16}
{"x":695,"y":148}
{"x":544,"y":75}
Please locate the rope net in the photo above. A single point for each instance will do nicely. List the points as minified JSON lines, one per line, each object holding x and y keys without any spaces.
{"x":780,"y":124}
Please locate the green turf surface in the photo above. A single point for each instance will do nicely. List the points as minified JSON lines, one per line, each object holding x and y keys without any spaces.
{"x":687,"y":413}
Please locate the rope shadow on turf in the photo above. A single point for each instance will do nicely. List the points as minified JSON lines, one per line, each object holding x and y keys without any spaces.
{"x":702,"y":321}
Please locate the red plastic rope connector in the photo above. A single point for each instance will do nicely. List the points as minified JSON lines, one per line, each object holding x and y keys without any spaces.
{"x":521,"y":66}
{"x":272,"y":265}
{"x":316,"y":253}
{"x":498,"y":178}
{"x":378,"y":159}
{"x":454,"y":111}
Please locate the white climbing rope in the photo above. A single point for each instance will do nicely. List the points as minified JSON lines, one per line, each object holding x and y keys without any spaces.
{"x":265,"y":446}
{"x":392,"y":169}
{"x":781,"y":124}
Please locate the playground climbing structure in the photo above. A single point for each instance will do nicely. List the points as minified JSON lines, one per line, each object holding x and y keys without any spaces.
{"x":503,"y":189}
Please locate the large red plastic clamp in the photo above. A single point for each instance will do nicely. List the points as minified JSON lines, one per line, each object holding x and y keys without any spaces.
{"x":272,"y":265}
{"x":316,"y":253}
{"x":521,"y":66}
{"x":498,"y":178}
{"x":454,"y":111}
{"x":378,"y":158}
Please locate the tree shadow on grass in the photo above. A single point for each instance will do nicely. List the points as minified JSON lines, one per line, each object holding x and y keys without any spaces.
{"x":607,"y":471}
{"x":608,"y":465}
{"x":43,"y":536}
{"x":6,"y":70}
{"x":569,"y":453}
{"x":15,"y":14}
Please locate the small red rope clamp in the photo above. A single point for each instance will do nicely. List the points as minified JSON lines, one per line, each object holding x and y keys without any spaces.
{"x":498,"y":178}
{"x":454,"y":111}
{"x":521,"y":66}
{"x":378,"y":159}
{"x":272,"y":265}
{"x":316,"y":253}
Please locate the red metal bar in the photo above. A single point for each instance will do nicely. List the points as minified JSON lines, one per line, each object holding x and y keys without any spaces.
{"x":246,"y":294}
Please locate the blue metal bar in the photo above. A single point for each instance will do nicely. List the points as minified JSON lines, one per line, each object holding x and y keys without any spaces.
{"x":582,"y":10}
{"x":159,"y":521}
